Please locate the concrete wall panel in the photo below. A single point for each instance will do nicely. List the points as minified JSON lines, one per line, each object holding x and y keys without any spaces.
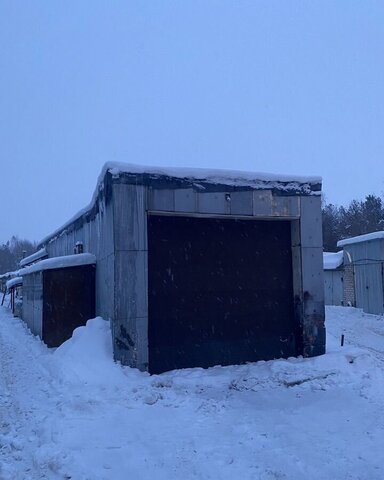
{"x":285,"y":206}
{"x":311,"y":222}
{"x":185,"y":200}
{"x":130,"y":204}
{"x":213,"y":203}
{"x":161,"y":200}
{"x":262,"y":203}
{"x":242,"y":203}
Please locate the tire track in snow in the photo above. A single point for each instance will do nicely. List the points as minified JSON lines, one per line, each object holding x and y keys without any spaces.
{"x":27,"y":397}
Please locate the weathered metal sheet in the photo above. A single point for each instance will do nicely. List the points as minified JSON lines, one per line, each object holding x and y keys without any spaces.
{"x":368,"y":266}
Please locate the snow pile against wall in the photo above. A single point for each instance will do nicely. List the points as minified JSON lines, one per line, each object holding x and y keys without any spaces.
{"x":88,"y":355}
{"x":332,"y":260}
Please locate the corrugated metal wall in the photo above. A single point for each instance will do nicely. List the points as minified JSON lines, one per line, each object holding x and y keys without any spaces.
{"x":368,"y":262}
{"x":333,"y":287}
{"x":97,"y":236}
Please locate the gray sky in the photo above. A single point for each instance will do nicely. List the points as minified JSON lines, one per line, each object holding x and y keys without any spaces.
{"x":283,"y":86}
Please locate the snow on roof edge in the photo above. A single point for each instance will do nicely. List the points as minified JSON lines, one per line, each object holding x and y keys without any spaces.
{"x":361,"y":238}
{"x":60,"y":262}
{"x":14,"y":281}
{"x":332,"y":260}
{"x":197,"y":174}
{"x":35,"y":256}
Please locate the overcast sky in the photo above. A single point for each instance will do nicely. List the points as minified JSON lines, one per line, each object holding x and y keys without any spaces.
{"x":283,"y":86}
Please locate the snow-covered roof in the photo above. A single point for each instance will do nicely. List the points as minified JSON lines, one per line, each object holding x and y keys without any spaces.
{"x":34,"y":257}
{"x":361,"y":238}
{"x":13,"y":282}
{"x":332,"y":260}
{"x":219,"y":176}
{"x":60,"y":262}
{"x":199,"y":177}
{"x":9,"y":275}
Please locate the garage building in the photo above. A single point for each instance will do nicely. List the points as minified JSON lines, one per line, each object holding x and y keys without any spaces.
{"x":200,"y":267}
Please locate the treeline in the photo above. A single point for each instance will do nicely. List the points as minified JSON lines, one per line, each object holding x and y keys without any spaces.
{"x":358,"y":218}
{"x":13,"y":251}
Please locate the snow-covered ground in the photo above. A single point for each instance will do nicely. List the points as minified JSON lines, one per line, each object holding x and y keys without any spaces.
{"x":74,"y":414}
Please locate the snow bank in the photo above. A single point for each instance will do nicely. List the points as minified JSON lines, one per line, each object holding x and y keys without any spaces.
{"x":361,"y":238}
{"x":60,"y":262}
{"x":73,"y":413}
{"x":88,"y":354}
{"x":332,"y":260}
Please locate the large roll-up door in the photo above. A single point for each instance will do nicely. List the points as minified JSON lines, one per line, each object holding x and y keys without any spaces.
{"x":219,"y":292}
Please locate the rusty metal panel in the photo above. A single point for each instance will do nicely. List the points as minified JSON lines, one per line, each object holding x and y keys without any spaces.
{"x":220,"y":292}
{"x":242,"y":203}
{"x":214,"y":202}
{"x":262,"y":203}
{"x":185,"y":200}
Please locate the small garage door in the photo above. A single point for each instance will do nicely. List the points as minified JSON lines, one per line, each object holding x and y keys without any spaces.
{"x":219,"y":292}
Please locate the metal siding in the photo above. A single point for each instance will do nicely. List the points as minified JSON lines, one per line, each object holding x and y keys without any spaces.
{"x":333,"y":287}
{"x":129,"y":217}
{"x":367,"y":259}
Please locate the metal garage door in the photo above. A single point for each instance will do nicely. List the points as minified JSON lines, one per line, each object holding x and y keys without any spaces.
{"x":219,"y":292}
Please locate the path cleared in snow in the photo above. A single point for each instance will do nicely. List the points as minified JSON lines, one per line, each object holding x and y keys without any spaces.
{"x":74,"y":414}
